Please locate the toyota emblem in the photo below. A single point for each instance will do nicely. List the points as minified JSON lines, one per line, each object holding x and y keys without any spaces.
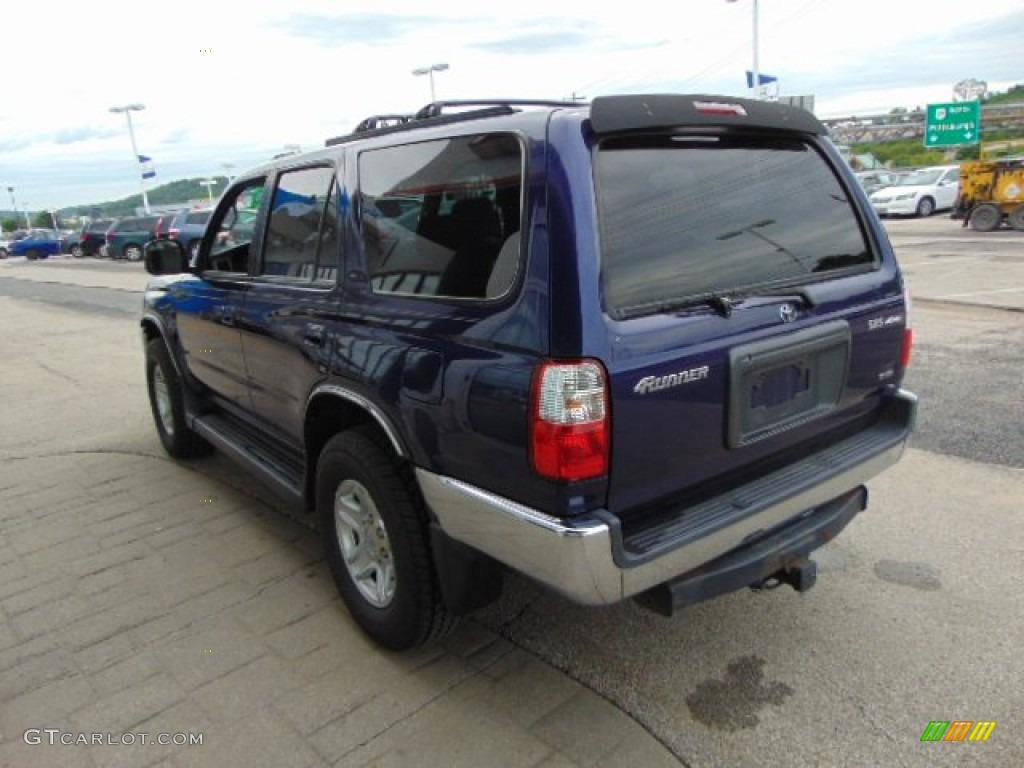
{"x":788,"y":313}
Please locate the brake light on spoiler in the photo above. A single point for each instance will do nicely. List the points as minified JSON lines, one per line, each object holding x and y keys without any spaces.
{"x":719,"y":108}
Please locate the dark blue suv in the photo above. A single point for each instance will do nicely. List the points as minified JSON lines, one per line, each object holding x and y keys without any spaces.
{"x":647,"y":347}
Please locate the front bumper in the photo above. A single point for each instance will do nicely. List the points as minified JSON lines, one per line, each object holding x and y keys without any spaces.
{"x":896,"y":207}
{"x":591,"y":561}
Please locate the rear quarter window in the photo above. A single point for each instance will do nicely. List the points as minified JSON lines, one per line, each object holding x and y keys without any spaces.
{"x":687,"y":217}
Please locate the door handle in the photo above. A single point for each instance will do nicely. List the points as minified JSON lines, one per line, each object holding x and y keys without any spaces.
{"x":314,"y":334}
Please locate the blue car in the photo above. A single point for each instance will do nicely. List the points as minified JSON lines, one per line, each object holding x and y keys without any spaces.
{"x":39,"y":244}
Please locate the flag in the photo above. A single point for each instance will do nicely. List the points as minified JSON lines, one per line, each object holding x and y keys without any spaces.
{"x":762,"y":79}
{"x":148,"y":170}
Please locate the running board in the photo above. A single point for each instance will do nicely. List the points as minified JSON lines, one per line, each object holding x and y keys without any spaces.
{"x":282,"y":473}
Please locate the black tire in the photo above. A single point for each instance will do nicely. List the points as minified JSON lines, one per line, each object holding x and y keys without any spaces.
{"x":1016,"y":217}
{"x":132,"y":252}
{"x":31,"y":254}
{"x":925,"y":207}
{"x":985,"y":217}
{"x":77,"y":251}
{"x":3,"y":253}
{"x":167,"y":403}
{"x":399,"y":605}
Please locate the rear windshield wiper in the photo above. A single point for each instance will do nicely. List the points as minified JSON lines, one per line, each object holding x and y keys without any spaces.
{"x":723,"y":303}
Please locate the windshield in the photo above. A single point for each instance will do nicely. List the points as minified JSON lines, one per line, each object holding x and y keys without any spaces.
{"x":919,"y":179}
{"x":687,"y":218}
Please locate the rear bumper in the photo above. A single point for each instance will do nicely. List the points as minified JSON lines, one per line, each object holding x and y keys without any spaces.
{"x":590,"y":561}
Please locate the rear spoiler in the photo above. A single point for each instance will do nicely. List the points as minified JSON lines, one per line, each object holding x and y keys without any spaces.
{"x":615,"y":114}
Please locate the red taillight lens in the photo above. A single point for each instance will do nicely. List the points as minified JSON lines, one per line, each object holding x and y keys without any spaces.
{"x":908,"y":332}
{"x":173,"y":233}
{"x":570,"y":435}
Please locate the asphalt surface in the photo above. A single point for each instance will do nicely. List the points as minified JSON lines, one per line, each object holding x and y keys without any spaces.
{"x":917,"y":613}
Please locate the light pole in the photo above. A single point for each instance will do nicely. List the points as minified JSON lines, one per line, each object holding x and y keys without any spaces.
{"x":756,"y":79}
{"x":209,"y":184}
{"x":429,"y":72}
{"x":14,"y":205}
{"x":127,"y":109}
{"x":228,"y":167}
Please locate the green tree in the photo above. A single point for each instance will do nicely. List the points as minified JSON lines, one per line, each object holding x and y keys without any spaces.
{"x":42,"y":220}
{"x":9,"y":224}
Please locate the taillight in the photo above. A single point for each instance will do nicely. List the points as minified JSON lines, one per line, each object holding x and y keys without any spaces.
{"x":908,"y":332}
{"x":173,"y":233}
{"x":569,"y":423}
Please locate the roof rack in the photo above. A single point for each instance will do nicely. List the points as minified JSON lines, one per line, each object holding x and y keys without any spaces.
{"x":373,"y":122}
{"x":434,"y":114}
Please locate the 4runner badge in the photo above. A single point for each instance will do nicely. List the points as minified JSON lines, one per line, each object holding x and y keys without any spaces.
{"x":650,"y":384}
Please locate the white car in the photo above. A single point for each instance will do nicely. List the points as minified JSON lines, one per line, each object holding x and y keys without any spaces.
{"x":919,"y":193}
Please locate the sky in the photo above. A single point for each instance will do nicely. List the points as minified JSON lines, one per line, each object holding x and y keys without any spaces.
{"x":235,"y":83}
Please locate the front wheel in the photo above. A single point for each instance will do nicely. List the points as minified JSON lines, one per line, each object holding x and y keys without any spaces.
{"x":133,"y":252}
{"x":31,"y":254}
{"x":168,"y":404}
{"x":926,"y":207}
{"x":376,"y":541}
{"x":77,"y":251}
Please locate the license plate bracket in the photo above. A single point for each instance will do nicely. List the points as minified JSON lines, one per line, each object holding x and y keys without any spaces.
{"x":779,"y":383}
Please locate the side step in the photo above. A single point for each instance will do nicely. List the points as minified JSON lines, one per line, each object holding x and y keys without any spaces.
{"x":282,"y":470}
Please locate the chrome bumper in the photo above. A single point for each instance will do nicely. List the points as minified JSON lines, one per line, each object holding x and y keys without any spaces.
{"x":583,"y":558}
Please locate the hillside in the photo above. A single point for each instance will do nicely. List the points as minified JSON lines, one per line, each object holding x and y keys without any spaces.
{"x":172,"y":193}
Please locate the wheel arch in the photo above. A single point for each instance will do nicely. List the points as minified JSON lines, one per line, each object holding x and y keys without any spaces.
{"x":332,"y":409}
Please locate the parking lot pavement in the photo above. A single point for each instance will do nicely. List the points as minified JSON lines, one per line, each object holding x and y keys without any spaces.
{"x":942,"y":261}
{"x":139,"y":595}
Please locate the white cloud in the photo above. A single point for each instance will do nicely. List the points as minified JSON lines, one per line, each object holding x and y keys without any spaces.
{"x":236,"y":82}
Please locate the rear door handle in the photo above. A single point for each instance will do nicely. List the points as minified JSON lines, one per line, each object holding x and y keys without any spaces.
{"x":314,"y":334}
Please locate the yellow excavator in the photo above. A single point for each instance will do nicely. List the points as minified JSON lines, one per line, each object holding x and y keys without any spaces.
{"x":991,"y":191}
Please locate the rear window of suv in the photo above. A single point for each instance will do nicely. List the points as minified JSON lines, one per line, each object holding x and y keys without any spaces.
{"x":686,"y":218}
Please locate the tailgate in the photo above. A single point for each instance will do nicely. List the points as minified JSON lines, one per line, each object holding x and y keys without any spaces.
{"x":754,"y":316}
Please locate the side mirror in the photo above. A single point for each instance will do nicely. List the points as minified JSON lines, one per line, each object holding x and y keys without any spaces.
{"x":165,"y":257}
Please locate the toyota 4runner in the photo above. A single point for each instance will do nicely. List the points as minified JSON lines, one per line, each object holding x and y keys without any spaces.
{"x":647,"y":347}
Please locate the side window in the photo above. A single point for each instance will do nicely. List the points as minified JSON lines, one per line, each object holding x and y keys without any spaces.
{"x":234,"y":228}
{"x":302,"y":236}
{"x":440,"y":218}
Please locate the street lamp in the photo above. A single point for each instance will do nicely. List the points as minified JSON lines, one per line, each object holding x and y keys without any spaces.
{"x":429,"y":72}
{"x":756,"y":79}
{"x":14,"y":206}
{"x":228,"y":167}
{"x":209,"y":184}
{"x":127,"y":109}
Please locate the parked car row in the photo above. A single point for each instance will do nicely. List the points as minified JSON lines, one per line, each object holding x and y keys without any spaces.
{"x":124,"y":238}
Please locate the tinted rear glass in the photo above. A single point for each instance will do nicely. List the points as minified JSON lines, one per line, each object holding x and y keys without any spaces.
{"x":199,"y":217}
{"x":684,"y":218}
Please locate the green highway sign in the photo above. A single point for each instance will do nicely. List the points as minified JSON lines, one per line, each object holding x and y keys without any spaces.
{"x":949,"y":125}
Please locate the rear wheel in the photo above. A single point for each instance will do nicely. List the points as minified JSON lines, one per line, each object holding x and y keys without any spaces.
{"x":985,"y":217}
{"x":376,"y":541}
{"x":1016,"y":217}
{"x":133,"y":252}
{"x":926,"y":207}
{"x":77,"y":251}
{"x":168,"y":404}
